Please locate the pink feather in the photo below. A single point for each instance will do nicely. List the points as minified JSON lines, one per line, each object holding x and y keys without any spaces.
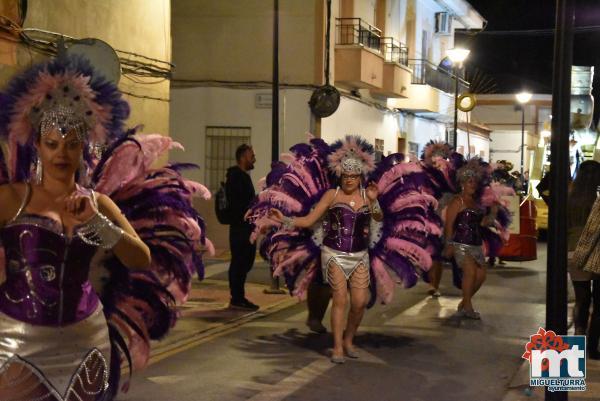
{"x":304,"y":281}
{"x":415,"y":254}
{"x":385,"y":284}
{"x":396,"y":173}
{"x":413,"y":199}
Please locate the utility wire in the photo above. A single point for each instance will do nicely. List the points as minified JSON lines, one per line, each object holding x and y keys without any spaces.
{"x":539,"y":32}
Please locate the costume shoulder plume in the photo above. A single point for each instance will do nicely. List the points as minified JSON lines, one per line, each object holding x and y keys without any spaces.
{"x":403,"y":242}
{"x":141,"y":304}
{"x":294,"y":186}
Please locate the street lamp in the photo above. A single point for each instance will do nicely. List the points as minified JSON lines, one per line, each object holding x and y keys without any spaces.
{"x":523,"y":98}
{"x":457,"y":56}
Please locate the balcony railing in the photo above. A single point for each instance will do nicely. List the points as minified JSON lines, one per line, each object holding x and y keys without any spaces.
{"x":426,"y":73}
{"x":355,"y":31}
{"x":394,"y":51}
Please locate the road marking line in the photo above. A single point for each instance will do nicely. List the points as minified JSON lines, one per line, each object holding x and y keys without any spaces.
{"x":159,"y":353}
{"x":167,"y":379}
{"x":442,"y":307}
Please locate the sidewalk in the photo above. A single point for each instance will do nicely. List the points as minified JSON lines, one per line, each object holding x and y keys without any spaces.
{"x":207,"y":315}
{"x":519,"y":389}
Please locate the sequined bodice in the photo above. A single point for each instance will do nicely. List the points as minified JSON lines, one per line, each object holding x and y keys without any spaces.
{"x":467,"y":227}
{"x":345,"y":229}
{"x":46,"y":273}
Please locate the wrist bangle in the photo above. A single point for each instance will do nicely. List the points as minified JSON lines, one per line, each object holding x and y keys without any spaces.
{"x":100,"y":231}
{"x":375,"y":208}
{"x":288,"y":223}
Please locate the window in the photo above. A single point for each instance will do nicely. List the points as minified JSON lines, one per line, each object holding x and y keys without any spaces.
{"x":413,"y":151}
{"x":378,"y":149}
{"x":221,"y":143}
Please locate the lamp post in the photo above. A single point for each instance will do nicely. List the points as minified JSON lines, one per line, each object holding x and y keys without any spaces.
{"x":457,"y":56}
{"x":523,"y":98}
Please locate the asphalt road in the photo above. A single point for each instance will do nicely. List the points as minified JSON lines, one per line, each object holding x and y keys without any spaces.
{"x":413,"y":349}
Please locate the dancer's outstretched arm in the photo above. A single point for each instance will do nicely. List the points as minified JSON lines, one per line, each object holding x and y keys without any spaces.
{"x":311,"y":218}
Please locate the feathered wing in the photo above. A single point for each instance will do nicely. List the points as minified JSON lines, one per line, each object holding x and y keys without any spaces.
{"x":294,"y":186}
{"x":141,"y":305}
{"x":403,"y":242}
{"x":495,"y":236}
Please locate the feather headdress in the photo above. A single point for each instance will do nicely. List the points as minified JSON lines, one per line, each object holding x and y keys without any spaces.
{"x":352,"y":155}
{"x":436,"y":149}
{"x":66,"y":93}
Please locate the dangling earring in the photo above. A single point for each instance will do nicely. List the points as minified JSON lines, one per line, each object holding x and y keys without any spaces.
{"x":38,"y":171}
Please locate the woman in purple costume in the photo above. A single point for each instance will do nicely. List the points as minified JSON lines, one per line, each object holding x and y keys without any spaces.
{"x":347,"y":212}
{"x":465,"y":218}
{"x":54,"y":336}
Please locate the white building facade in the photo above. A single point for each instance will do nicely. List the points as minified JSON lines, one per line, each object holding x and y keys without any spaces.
{"x":384,"y":57}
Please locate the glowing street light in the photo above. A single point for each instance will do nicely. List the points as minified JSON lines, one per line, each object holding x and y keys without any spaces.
{"x":523,"y":97}
{"x":457,"y":56}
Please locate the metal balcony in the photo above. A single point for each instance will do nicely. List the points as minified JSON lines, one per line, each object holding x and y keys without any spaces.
{"x":427,"y":73}
{"x":355,"y":31}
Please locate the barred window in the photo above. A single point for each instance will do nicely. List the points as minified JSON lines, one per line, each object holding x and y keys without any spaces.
{"x":221,"y":143}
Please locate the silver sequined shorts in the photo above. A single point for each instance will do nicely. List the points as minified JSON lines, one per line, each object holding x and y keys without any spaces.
{"x":462,"y":251}
{"x":348,"y":261}
{"x":57,"y":354}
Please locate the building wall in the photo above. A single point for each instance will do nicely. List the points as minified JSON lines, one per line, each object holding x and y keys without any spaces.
{"x":365,"y":9}
{"x":425,"y":27}
{"x":356,"y":118}
{"x":226,"y":40}
{"x":505,"y":122}
{"x":136,"y":26}
{"x":506,"y":145}
{"x":196,"y":108}
{"x":422,"y":130}
{"x":396,"y":16}
{"x":480,"y":144}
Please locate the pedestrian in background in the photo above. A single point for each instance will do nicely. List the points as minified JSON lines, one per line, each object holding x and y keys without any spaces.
{"x":582,"y":196}
{"x":240,"y":193}
{"x":525,"y":183}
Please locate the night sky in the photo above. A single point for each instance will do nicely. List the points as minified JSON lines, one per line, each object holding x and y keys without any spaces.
{"x":517,"y":62}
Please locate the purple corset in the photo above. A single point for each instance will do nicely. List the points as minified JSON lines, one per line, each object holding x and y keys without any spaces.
{"x":346,"y":230}
{"x":467,"y":227}
{"x":46,"y":273}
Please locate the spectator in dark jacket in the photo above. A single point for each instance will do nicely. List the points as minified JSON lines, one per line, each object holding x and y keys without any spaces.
{"x":240,"y":193}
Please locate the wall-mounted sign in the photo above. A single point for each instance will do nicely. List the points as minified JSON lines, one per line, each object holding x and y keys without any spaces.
{"x":263,"y":100}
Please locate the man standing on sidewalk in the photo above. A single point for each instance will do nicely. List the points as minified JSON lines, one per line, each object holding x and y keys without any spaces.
{"x":240,"y":192}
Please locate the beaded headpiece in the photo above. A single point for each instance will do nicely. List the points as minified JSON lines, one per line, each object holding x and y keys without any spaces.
{"x":64,"y":120}
{"x":353,"y":155}
{"x":64,"y":94}
{"x":473,"y":168}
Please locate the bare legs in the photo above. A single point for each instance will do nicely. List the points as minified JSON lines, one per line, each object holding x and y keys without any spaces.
{"x":359,"y":283}
{"x":359,"y":293}
{"x":317,"y":299}
{"x":473,"y":277}
{"x":435,"y":276}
